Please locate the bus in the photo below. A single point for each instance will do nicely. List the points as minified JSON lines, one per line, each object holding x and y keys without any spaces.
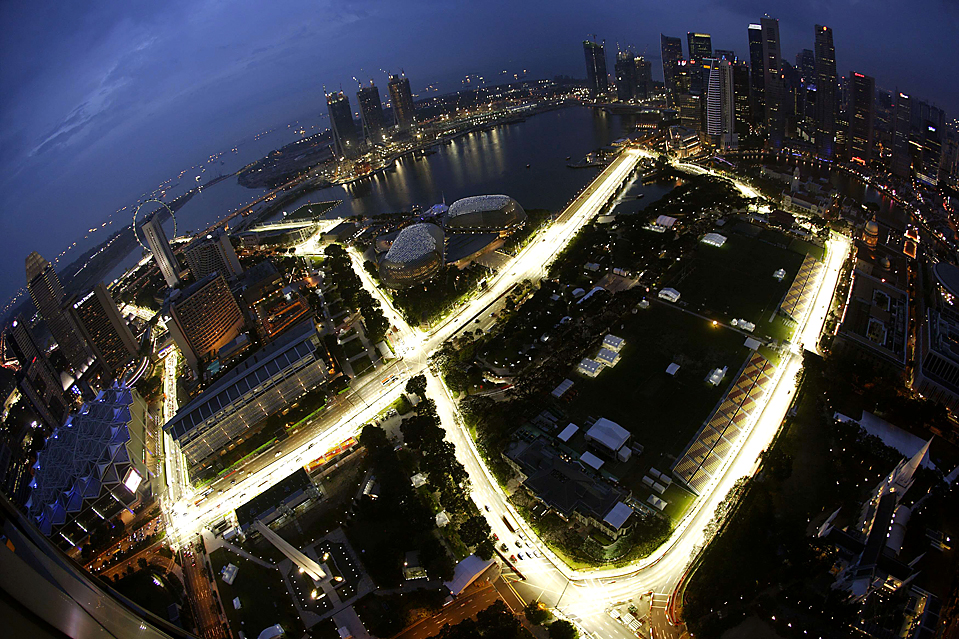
{"x":509,"y":527}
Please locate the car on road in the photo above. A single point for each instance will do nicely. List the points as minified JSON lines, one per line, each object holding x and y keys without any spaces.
{"x":487,"y":508}
{"x":232,"y":481}
{"x":503,"y":547}
{"x":512,"y":557}
{"x":278,"y":453}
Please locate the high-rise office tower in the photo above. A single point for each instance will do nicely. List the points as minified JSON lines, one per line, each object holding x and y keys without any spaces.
{"x":725,"y":54}
{"x":212,"y":253}
{"x":806,"y":65}
{"x":47,"y":294}
{"x":902,"y":134}
{"x":741,"y":97}
{"x":596,"y":80}
{"x":700,"y":49}
{"x":341,"y":122}
{"x":99,"y":319}
{"x":773,"y":79}
{"x":625,"y":76}
{"x":401,"y":99}
{"x":156,"y":239}
{"x":691,"y":111}
{"x":827,"y":104}
{"x":931,"y":128}
{"x":720,"y":104}
{"x":38,"y":380}
{"x":700,"y":45}
{"x":204,"y":319}
{"x":371,"y":113}
{"x":672,"y":53}
{"x":644,"y":78}
{"x":862,"y":95}
{"x":757,"y":81}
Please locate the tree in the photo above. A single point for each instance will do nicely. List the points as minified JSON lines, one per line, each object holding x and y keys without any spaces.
{"x":417,"y":386}
{"x":536,"y":613}
{"x":562,"y":629}
{"x":142,"y":563}
{"x":485,"y":549}
{"x":474,"y":530}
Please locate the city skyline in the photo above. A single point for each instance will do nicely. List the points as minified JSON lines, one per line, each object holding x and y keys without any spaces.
{"x":86,"y":128}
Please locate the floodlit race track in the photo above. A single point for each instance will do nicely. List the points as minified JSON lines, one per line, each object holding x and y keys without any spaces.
{"x":582,"y":596}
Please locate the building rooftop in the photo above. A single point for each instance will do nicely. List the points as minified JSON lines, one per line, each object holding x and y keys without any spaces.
{"x":608,"y":433}
{"x":257,"y":368}
{"x":562,"y":484}
{"x":618,"y":515}
{"x":591,"y":460}
{"x":568,"y":432}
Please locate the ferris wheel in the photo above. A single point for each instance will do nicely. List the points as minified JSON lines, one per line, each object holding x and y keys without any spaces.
{"x":136,"y":213}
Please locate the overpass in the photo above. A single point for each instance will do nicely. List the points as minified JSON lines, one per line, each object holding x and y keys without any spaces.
{"x":305,"y":564}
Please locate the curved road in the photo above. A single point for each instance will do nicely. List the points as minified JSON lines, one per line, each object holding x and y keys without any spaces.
{"x":582,"y":596}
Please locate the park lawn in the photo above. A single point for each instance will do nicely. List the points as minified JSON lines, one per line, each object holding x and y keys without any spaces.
{"x":735,"y":281}
{"x":353,"y":347}
{"x":263,"y":596}
{"x":361,"y":364}
{"x":662,"y":412}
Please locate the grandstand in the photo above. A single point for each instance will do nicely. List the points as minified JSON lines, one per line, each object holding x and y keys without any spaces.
{"x":731,"y":420}
{"x":802,"y":291}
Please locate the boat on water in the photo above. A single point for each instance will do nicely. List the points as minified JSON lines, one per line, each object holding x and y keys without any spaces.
{"x":527,"y":166}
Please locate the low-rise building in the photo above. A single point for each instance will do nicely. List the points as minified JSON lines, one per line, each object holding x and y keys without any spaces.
{"x":261,"y":385}
{"x":589,"y":367}
{"x":565,"y":488}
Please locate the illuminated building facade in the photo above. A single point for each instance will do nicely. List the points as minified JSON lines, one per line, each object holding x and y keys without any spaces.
{"x":862,"y":95}
{"x":672,"y":52}
{"x":204,"y":318}
{"x":212,"y":253}
{"x":156,"y":239}
{"x":401,"y":99}
{"x":415,"y":256}
{"x":47,"y":294}
{"x":826,"y":82}
{"x":106,"y":332}
{"x":371,"y":113}
{"x":92,"y":467}
{"x":38,"y":380}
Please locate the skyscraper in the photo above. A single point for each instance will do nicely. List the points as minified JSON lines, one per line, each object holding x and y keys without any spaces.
{"x":700,"y":49}
{"x":39,"y":381}
{"x":826,"y":85}
{"x":774,"y":86}
{"x":625,"y":76}
{"x":862,"y":93}
{"x":341,"y":122}
{"x":727,"y":54}
{"x":401,"y":99}
{"x":757,"y":81}
{"x":596,"y":80}
{"x":47,"y":294}
{"x":212,"y":253}
{"x":644,"y":78}
{"x":720,"y":105}
{"x":371,"y":113}
{"x":156,"y":239}
{"x":930,"y":124}
{"x":741,"y":97}
{"x":901,"y":148}
{"x":806,"y":65}
{"x":103,"y":327}
{"x":672,"y":53}
{"x":204,"y":318}
{"x":700,"y":45}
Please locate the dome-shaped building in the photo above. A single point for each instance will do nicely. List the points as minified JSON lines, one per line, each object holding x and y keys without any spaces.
{"x":485,"y":214}
{"x":415,"y":255}
{"x":870,"y":233}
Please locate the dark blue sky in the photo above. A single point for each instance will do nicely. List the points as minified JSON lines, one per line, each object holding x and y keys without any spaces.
{"x":102,"y":100}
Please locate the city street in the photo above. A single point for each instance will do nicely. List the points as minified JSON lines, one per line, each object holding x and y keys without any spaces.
{"x":583,"y":596}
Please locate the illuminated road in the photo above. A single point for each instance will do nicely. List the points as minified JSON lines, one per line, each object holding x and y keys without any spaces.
{"x":583,"y":596}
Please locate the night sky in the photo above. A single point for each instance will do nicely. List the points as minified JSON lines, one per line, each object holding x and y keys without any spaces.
{"x":101,"y":100}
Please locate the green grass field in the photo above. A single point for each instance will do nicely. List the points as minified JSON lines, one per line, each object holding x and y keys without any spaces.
{"x":264,"y":598}
{"x":662,"y":412}
{"x":353,"y":347}
{"x":735,"y":281}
